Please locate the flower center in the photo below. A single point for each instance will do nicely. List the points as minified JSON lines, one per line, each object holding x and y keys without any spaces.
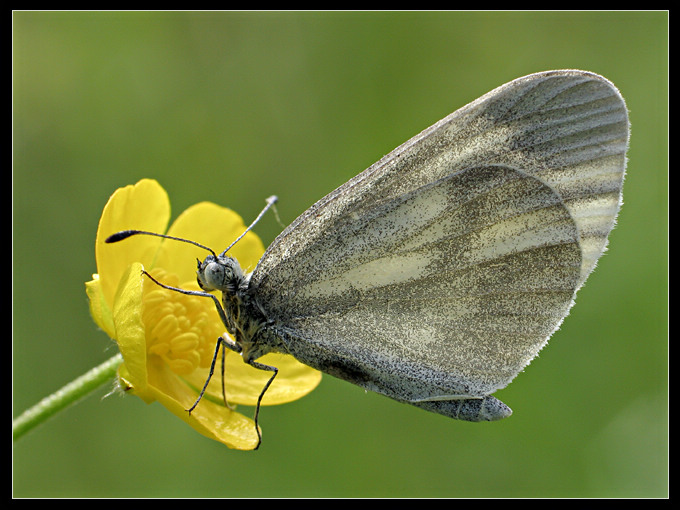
{"x":180,"y":329}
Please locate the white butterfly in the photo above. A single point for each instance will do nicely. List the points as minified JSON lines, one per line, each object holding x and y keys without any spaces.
{"x":436,"y":275}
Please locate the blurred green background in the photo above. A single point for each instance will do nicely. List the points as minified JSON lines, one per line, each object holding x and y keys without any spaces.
{"x":235,"y":106}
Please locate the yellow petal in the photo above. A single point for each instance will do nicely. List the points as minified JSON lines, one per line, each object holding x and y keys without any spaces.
{"x":99,"y":308}
{"x":243,"y":383}
{"x":212,"y":420}
{"x":212,"y":226}
{"x":294,"y":380}
{"x":130,"y":332}
{"x":143,"y":206}
{"x":124,"y":379}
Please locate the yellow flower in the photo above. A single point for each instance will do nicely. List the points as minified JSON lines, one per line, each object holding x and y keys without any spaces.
{"x":168,"y":339}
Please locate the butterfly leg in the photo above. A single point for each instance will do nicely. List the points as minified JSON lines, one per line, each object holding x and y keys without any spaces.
{"x":262,"y":366}
{"x":228,"y":344}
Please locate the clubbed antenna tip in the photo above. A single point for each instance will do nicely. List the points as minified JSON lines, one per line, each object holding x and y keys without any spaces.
{"x":119,"y":236}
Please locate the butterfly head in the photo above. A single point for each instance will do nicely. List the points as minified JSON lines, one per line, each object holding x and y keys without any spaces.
{"x":220,"y":272}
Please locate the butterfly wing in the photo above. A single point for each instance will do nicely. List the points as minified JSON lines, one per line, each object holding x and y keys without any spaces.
{"x":440,"y":271}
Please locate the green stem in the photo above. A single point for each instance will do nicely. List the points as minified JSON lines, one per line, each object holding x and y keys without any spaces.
{"x":69,"y":394}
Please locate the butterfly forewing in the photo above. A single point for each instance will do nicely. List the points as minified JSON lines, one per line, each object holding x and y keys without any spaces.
{"x":442,"y":270}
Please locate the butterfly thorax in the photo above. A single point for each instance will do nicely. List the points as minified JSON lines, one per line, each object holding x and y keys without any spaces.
{"x":243,"y":319}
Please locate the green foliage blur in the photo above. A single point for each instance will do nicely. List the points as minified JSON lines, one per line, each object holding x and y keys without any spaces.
{"x":233,"y":107}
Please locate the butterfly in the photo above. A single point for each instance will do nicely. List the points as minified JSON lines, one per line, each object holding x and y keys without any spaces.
{"x":437,"y":274}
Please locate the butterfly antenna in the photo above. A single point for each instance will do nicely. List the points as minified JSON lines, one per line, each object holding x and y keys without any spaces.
{"x":270,"y":202}
{"x":124,"y":234}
